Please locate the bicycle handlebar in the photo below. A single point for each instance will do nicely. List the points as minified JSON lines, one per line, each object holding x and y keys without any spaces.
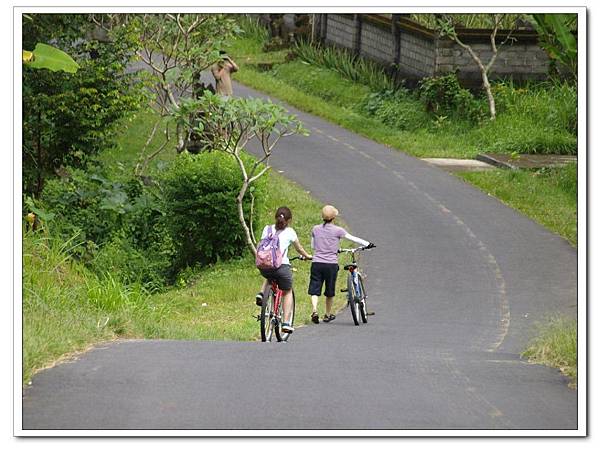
{"x":357,"y":249}
{"x":300,"y":257}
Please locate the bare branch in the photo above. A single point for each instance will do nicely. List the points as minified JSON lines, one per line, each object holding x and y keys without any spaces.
{"x":259,"y":174}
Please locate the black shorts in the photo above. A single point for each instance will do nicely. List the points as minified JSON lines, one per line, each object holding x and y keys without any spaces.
{"x":283,"y":276}
{"x":323,"y":273}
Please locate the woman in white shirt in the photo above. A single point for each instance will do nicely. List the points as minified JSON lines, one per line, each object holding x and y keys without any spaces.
{"x":283,"y":274}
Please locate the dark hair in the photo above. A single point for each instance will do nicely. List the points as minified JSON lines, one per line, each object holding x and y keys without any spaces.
{"x":325,"y":222}
{"x":282,"y":216}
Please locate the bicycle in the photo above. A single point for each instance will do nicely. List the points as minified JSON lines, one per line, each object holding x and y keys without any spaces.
{"x":355,"y":286}
{"x":271,"y":311}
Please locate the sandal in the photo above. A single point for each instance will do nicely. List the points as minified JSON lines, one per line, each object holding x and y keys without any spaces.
{"x":328,"y":318}
{"x":314,"y":317}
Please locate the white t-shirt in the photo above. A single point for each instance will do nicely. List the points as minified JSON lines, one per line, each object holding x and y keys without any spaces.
{"x":286,"y":237}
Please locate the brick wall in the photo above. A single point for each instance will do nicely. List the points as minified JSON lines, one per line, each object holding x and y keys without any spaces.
{"x":417,"y":55}
{"x":340,"y":30}
{"x":416,"y":52}
{"x":376,"y":43}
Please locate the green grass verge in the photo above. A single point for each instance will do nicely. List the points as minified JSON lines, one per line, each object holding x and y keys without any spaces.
{"x":556,"y":346}
{"x":547,"y":196}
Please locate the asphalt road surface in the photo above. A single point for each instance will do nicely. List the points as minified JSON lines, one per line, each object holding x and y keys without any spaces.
{"x":457,"y":280}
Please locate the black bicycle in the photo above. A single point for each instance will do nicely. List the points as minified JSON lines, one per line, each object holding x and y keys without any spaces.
{"x":271,"y":312}
{"x":355,"y":286}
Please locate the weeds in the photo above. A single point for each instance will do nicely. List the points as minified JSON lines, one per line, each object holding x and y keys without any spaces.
{"x":556,"y":346}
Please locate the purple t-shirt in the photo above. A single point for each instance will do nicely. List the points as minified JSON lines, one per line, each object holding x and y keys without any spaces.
{"x":326,"y":241}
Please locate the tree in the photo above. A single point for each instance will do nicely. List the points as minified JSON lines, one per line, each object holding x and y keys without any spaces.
{"x":70,"y":117}
{"x":447,"y":25}
{"x":175,"y":48}
{"x":229,"y":126}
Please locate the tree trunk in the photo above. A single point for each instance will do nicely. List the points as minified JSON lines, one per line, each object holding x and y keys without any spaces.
{"x":490,"y":96}
{"x":240,"y":205}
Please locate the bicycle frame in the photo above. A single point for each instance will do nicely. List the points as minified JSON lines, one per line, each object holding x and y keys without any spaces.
{"x":278,"y":294}
{"x":354,"y":270}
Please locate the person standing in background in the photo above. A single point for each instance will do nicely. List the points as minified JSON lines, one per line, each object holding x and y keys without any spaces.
{"x":222,"y":71}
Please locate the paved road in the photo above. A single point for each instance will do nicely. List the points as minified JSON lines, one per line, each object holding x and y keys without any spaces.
{"x":457,"y":281}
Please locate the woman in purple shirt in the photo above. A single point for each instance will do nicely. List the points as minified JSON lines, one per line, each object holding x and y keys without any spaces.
{"x":324,"y":268}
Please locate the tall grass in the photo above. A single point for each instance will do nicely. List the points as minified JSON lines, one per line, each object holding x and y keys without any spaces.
{"x":556,"y":345}
{"x":347,"y":64}
{"x":65,"y":306}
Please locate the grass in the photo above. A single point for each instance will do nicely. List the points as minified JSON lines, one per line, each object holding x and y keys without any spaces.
{"x":556,"y":345}
{"x":66,"y":307}
{"x":130,"y":142}
{"x":548,"y":196}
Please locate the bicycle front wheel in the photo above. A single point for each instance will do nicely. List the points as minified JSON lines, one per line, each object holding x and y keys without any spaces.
{"x":363,"y":300}
{"x":353,"y":300}
{"x":281,"y":336}
{"x":266,"y":316}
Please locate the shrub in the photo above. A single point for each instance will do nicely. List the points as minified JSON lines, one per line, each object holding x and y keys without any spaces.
{"x":85,"y":204}
{"x":200,"y":210}
{"x":444,"y":94}
{"x":116,"y":226}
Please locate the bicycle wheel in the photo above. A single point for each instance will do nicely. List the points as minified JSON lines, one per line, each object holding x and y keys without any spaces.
{"x":353,"y":300}
{"x":266,"y":316}
{"x":363,"y":299}
{"x":281,"y":336}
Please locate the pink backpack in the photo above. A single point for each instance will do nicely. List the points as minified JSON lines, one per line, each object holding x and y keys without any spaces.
{"x":268,"y":253}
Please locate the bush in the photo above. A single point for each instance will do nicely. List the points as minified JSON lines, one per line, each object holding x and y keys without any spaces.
{"x":114,"y":226}
{"x":200,"y":209}
{"x":86,"y":205}
{"x":444,"y":94}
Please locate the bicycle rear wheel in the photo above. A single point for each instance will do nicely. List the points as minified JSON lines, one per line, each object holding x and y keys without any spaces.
{"x":266,"y":316}
{"x":363,"y":300}
{"x":281,"y":336}
{"x":353,"y":300}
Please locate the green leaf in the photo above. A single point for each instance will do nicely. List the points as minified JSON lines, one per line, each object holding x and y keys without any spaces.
{"x":48,"y":57}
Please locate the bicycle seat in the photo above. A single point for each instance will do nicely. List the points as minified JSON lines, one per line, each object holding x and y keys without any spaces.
{"x":350,"y":266}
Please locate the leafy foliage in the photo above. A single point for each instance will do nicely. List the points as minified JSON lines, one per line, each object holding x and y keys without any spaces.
{"x":444,"y":94}
{"x":557,"y":39}
{"x":200,"y":208}
{"x":45,"y":56}
{"x":68,"y":118}
{"x":228,"y":125}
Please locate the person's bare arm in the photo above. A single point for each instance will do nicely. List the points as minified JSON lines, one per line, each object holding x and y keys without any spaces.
{"x":217,"y":71}
{"x":234,"y":67}
{"x":301,"y":250}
